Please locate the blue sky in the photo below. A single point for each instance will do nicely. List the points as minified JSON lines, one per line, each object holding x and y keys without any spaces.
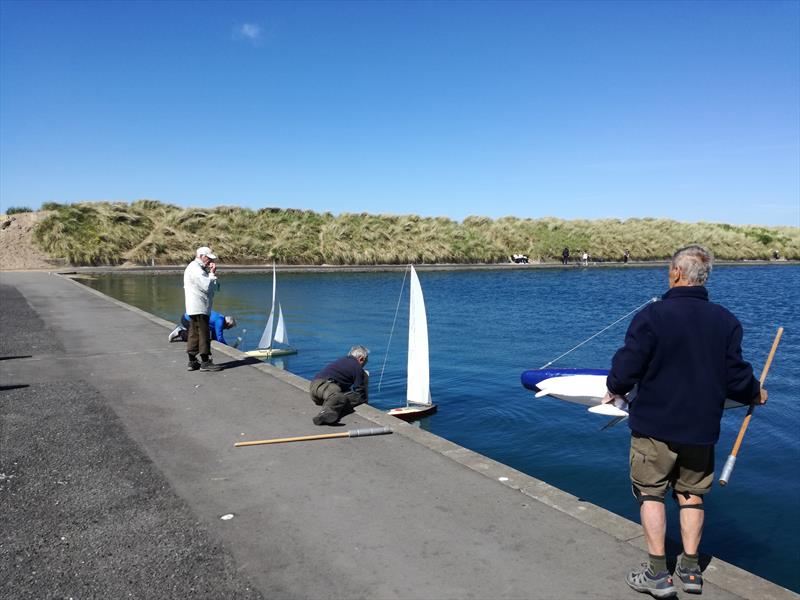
{"x":682,"y":110}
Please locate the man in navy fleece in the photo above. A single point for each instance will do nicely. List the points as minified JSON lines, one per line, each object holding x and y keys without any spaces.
{"x":685,"y":354}
{"x":341,"y":386}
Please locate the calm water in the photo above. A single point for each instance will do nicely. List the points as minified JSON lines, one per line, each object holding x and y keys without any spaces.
{"x":486,"y":327}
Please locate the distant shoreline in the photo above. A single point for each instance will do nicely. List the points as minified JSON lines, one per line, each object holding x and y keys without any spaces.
{"x":223,"y":268}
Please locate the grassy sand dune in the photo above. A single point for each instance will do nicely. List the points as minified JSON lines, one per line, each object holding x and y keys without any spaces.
{"x":151,"y":232}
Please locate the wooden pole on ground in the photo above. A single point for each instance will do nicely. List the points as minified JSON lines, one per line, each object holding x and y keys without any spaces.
{"x":323,"y":436}
{"x":729,"y":464}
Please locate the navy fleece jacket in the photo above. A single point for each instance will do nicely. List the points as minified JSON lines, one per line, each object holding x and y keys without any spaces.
{"x":686,"y":355}
{"x":348,"y":374}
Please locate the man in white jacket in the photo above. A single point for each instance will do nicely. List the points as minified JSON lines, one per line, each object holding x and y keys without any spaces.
{"x":199,"y":285}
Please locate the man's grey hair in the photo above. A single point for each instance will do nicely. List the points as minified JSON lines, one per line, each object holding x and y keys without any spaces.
{"x":695,"y":263}
{"x":359,"y":352}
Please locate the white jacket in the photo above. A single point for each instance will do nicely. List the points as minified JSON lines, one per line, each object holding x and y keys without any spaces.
{"x":198,"y":287}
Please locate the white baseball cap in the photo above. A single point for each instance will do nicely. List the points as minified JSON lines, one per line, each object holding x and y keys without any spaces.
{"x":206,"y":251}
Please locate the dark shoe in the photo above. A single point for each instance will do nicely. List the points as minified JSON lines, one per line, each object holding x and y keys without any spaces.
{"x":209,"y":366}
{"x":691,"y":578}
{"x":326,"y":417}
{"x":658,"y":585}
{"x":193,"y":365}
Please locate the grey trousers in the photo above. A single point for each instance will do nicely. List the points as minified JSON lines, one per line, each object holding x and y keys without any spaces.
{"x":329,"y":395}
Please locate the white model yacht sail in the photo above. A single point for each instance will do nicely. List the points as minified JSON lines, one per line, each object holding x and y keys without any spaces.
{"x":274,"y":333}
{"x":418,"y":394}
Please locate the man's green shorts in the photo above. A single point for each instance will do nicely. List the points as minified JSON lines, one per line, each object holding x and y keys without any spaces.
{"x":657,"y":465}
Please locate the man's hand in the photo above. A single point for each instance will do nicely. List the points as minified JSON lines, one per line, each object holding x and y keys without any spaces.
{"x":212,"y":267}
{"x":761,"y":398}
{"x":610,"y":397}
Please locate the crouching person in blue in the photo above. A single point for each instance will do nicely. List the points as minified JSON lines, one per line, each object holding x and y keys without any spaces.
{"x":685,"y":354}
{"x":217,"y":324}
{"x":341,"y":386}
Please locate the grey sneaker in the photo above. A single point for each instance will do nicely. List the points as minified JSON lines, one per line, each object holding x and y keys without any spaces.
{"x":691,"y":578}
{"x":209,"y":366}
{"x":193,"y":365}
{"x":326,"y":417}
{"x":658,"y":585}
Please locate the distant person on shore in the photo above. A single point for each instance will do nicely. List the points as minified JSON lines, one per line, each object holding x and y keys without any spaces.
{"x":217,"y":324}
{"x":199,"y":285}
{"x":341,"y":386}
{"x":685,"y":353}
{"x":585,"y":258}
{"x":565,"y":255}
{"x":626,"y":254}
{"x":775,"y":254}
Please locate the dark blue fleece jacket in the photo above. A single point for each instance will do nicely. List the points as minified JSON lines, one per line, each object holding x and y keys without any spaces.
{"x":348,"y":374}
{"x":686,"y":355}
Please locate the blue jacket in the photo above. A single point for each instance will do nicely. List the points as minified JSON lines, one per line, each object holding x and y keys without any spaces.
{"x":686,"y":355}
{"x":216,"y":323}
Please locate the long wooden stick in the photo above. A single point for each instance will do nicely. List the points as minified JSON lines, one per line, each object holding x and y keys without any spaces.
{"x":729,"y":464}
{"x":323,"y":436}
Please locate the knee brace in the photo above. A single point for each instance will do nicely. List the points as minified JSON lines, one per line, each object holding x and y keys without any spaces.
{"x":699,"y":506}
{"x":640,"y":498}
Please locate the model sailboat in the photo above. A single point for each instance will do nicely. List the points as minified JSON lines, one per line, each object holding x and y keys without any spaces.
{"x":274,"y":332}
{"x":418,"y":394}
{"x":584,"y":386}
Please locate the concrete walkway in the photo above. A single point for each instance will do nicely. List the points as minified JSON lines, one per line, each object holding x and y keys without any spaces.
{"x":407,"y":515}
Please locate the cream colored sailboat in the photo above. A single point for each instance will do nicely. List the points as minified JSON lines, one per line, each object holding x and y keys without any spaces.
{"x":275,"y":331}
{"x":418,"y":392}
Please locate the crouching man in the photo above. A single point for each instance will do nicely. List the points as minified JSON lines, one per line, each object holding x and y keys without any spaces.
{"x":341,"y":386}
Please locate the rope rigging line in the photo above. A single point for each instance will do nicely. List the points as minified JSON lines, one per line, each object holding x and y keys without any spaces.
{"x":599,"y":332}
{"x":396,"y":311}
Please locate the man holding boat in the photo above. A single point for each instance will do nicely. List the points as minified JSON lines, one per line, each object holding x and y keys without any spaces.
{"x":199,"y":285}
{"x":685,"y":355}
{"x":341,"y":386}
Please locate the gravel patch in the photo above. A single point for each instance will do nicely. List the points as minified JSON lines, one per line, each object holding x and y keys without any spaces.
{"x":85,"y":513}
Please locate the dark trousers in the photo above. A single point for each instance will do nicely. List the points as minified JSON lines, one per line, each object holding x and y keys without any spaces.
{"x":199,"y":340}
{"x":329,"y":395}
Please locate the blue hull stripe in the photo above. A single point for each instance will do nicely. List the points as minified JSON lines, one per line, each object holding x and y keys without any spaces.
{"x":532,"y":377}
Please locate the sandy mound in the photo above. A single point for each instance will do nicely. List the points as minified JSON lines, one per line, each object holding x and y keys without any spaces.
{"x":17,"y":248}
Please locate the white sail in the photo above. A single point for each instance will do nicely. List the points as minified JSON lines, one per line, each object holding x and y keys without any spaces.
{"x":281,"y":336}
{"x":274,"y":333}
{"x":267,"y":337}
{"x":418,"y":366}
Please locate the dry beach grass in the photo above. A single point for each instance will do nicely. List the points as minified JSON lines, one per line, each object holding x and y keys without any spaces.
{"x":148,"y":232}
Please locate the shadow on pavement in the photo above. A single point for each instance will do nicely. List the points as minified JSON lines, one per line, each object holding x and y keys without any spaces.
{"x":3,"y":388}
{"x":243,"y":362}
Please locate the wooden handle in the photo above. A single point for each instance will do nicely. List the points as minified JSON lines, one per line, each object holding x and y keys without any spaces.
{"x":728,"y":469}
{"x":767,"y":364}
{"x":302,"y":438}
{"x":322,"y":436}
{"x":761,"y":380}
